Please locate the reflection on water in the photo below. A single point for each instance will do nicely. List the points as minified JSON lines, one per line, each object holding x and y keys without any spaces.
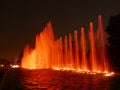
{"x":58,"y":80}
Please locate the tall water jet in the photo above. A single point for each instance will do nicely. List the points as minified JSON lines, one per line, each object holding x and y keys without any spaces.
{"x":70,"y":51}
{"x":65,"y":52}
{"x":83,"y":50}
{"x":57,"y":57}
{"x":61,"y":52}
{"x":93,"y":57}
{"x":101,"y":38}
{"x":76,"y":50}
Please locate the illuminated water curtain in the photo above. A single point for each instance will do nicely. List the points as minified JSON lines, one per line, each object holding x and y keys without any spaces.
{"x":70,"y":52}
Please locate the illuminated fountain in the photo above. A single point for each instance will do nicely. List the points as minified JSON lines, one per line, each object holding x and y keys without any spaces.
{"x":68,"y":53}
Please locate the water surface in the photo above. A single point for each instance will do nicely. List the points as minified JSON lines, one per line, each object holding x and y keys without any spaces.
{"x":21,"y":79}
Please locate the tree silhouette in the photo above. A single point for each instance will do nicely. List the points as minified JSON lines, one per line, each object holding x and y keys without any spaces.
{"x":113,"y":31}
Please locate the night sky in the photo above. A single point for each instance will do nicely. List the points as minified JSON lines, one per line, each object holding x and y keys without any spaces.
{"x":21,"y":20}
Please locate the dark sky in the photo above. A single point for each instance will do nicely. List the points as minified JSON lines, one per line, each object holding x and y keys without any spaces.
{"x":21,"y":20}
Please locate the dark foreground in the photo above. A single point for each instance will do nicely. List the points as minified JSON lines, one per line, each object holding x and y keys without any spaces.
{"x":19,"y":79}
{"x":2,"y":72}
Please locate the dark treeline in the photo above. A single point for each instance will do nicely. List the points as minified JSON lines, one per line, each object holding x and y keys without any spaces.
{"x":113,"y":31}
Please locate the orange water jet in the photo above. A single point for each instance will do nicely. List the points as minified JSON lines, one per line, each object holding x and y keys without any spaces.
{"x":93,"y":58}
{"x":83,"y":50}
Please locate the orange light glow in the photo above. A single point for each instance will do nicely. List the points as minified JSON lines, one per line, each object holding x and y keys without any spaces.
{"x":68,"y":53}
{"x":109,"y":74}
